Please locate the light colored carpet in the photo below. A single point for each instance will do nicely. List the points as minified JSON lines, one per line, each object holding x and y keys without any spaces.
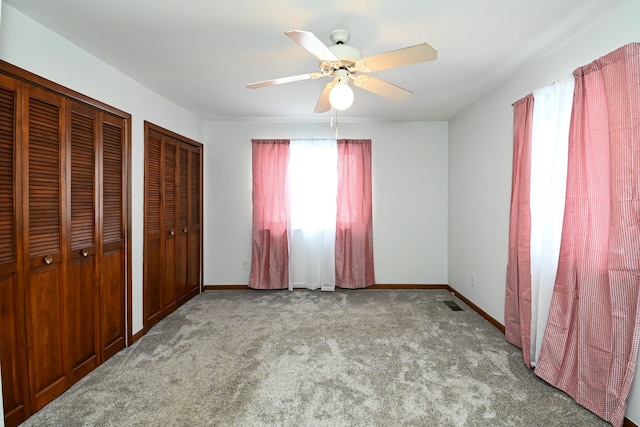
{"x":348,"y":358}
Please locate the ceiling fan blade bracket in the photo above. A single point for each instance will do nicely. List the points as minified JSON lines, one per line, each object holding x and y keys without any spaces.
{"x":318,"y":75}
{"x":360,"y":80}
{"x":361,"y":66}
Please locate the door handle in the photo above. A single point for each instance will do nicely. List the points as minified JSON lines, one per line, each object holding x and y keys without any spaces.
{"x":84,"y":252}
{"x":172,"y":233}
{"x":184,"y":230}
{"x":48,"y":259}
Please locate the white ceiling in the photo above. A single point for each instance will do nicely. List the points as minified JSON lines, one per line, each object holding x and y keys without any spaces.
{"x":200,"y":54}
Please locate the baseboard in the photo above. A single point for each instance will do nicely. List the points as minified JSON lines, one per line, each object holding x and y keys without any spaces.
{"x":407,"y":286}
{"x":628,"y":423}
{"x":225,"y":288}
{"x":477,"y":309}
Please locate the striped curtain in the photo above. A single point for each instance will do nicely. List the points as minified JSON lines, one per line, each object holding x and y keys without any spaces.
{"x":517,"y":311}
{"x":270,"y":239}
{"x":354,"y":223}
{"x":593,"y":331}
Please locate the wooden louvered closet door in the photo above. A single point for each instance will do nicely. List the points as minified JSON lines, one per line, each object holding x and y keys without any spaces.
{"x":188,"y":251}
{"x":173,"y":206}
{"x":194,"y":214}
{"x":182,"y":231}
{"x":170,"y":223}
{"x":12,"y":339}
{"x":113,"y":202}
{"x":64,"y":263}
{"x":44,"y":230}
{"x":153,"y":242}
{"x":82,"y":284}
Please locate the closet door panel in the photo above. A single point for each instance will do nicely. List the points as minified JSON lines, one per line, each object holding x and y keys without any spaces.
{"x":82,"y":292}
{"x":169,"y":294}
{"x":182,"y":251}
{"x":153,"y":253}
{"x":194,"y":271}
{"x":81,"y":313}
{"x":113,"y":321}
{"x":113,"y":283}
{"x":44,"y":272}
{"x":12,"y":345}
{"x":48,"y":372}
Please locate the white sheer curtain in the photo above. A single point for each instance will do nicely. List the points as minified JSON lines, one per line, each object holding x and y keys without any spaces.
{"x":549,"y":151}
{"x":313,"y":183}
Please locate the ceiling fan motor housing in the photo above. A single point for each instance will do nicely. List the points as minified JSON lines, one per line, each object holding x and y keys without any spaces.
{"x":347,"y":54}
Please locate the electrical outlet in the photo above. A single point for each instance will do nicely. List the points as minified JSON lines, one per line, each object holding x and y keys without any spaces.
{"x":245,"y":265}
{"x":473,"y":279}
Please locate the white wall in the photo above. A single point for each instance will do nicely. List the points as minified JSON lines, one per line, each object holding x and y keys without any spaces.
{"x":28,"y":45}
{"x":409,"y":196}
{"x":480,"y":150}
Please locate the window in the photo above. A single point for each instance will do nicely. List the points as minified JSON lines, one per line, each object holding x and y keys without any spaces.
{"x":321,"y":190}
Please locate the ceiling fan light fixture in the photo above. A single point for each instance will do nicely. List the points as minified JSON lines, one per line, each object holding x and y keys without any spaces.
{"x":341,"y":96}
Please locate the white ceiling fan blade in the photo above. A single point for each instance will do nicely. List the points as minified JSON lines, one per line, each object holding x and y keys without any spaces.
{"x":282,"y":80}
{"x":397,"y":58}
{"x":323,"y":104}
{"x":382,"y":88}
{"x":311,"y":43}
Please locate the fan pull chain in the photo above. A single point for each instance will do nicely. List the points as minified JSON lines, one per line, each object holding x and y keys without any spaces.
{"x":334,"y":122}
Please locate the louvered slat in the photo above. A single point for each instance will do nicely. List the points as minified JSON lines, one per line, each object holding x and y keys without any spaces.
{"x":44,"y":178}
{"x":154,"y":192}
{"x":82,"y":181}
{"x":113,"y":229}
{"x":195,"y":188}
{"x":170,"y":186}
{"x":7,"y":223}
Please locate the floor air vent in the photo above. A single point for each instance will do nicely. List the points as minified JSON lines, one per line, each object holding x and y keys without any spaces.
{"x":453,"y":306}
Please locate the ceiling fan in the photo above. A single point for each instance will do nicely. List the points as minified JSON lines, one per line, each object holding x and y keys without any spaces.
{"x":344,"y":63}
